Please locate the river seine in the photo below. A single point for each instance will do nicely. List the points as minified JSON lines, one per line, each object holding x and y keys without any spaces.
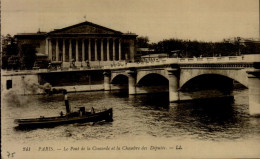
{"x":149,"y":116}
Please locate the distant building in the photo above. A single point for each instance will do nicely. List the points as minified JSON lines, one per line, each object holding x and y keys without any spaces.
{"x":143,"y":51}
{"x":80,"y":44}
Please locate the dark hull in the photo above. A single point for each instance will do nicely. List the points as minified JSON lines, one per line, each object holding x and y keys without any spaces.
{"x":106,"y":115}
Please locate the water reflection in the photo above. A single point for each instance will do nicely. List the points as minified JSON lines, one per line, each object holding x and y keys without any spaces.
{"x":224,"y":118}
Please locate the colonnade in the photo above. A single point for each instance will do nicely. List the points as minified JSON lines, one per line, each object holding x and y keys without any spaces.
{"x":56,"y":56}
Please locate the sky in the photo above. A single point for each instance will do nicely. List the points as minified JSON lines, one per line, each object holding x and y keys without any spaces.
{"x":203,"y":20}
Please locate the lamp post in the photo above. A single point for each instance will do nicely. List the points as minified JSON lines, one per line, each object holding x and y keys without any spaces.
{"x":186,"y":45}
{"x":213,"y":47}
{"x":238,"y":43}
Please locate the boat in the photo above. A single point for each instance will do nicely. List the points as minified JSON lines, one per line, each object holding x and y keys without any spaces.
{"x":75,"y":117}
{"x":80,"y":116}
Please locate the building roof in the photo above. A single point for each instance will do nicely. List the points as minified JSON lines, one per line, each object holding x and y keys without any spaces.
{"x":79,"y":30}
{"x":22,"y":35}
{"x":85,"y":28}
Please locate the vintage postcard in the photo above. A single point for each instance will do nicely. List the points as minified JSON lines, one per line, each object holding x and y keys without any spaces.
{"x":130,"y":79}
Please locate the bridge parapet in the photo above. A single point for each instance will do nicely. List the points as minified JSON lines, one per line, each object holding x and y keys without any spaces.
{"x":157,"y":62}
{"x":199,"y":60}
{"x":223,"y":59}
{"x":211,"y":59}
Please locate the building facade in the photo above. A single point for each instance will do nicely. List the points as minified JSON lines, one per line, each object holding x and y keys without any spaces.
{"x":82,"y":44}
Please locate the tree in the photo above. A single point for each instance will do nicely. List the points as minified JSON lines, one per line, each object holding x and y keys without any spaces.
{"x":251,"y":48}
{"x":142,"y":42}
{"x":28,"y":54}
{"x":14,"y":61}
{"x":9,"y":48}
{"x":4,"y":61}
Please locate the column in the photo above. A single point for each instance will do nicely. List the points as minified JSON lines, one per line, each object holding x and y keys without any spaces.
{"x":89,"y":49}
{"x":102,"y":52}
{"x":46,"y":46}
{"x":108,"y":58}
{"x":131,"y":81}
{"x":70,"y":51}
{"x":77,"y":50}
{"x":63,"y":50}
{"x":119,"y":50}
{"x":50,"y":51}
{"x":57,"y":50}
{"x":173,"y":84}
{"x":83,"y":50}
{"x":132,"y":50}
{"x":114,"y":50}
{"x":96,"y":50}
{"x":254,"y":92}
{"x":107,"y":76}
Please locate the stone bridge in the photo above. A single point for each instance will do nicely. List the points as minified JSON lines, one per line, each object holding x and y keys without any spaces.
{"x":173,"y":74}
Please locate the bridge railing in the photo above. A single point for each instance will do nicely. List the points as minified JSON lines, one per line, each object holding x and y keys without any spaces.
{"x":163,"y":61}
{"x":151,"y":63}
{"x":210,"y":59}
{"x":138,"y":64}
{"x":243,"y":58}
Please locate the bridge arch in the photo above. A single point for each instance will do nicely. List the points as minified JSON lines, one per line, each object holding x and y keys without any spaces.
{"x":119,"y":82}
{"x":237,"y":75}
{"x":153,"y":79}
{"x":142,"y":74}
{"x":152,"y":83}
{"x":115,"y":76}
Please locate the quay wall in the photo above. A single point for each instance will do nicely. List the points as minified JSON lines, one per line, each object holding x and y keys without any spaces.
{"x":21,"y":84}
{"x":72,"y":78}
{"x":36,"y":82}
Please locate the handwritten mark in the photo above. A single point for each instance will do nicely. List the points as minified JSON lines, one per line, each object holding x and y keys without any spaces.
{"x":10,"y":155}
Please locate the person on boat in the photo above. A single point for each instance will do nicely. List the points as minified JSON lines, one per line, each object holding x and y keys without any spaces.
{"x":61,"y":113}
{"x":92,"y":110}
{"x":66,"y":102}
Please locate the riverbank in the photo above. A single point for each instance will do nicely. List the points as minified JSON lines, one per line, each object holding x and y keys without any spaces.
{"x":37,"y":82}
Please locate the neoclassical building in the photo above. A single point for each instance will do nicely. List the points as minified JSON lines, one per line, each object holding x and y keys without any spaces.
{"x":82,"y":43}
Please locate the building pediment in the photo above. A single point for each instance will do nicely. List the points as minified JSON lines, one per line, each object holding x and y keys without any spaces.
{"x":85,"y":28}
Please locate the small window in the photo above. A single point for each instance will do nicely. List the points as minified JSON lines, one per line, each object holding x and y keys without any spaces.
{"x":9,"y":84}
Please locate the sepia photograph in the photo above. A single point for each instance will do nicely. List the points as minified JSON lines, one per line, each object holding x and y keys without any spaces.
{"x":130,"y":79}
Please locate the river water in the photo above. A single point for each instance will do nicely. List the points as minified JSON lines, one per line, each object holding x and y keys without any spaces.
{"x":149,"y":116}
